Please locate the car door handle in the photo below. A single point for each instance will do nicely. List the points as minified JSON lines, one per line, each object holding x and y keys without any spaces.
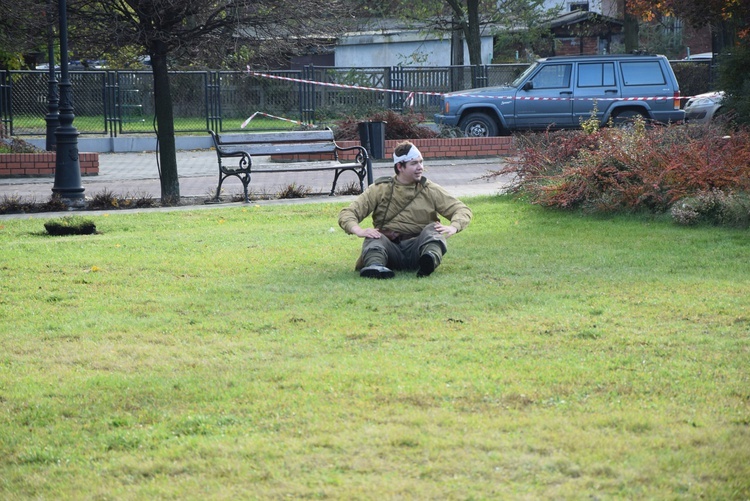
{"x":566,"y":93}
{"x":610,"y":91}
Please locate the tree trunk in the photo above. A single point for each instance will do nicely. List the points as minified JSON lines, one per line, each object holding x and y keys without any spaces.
{"x":473,"y":39}
{"x":170,"y":183}
{"x":457,"y":55}
{"x":457,"y":42}
{"x":630,"y":29}
{"x":470,"y":27}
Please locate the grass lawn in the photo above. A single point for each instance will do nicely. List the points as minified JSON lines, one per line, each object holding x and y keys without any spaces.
{"x":88,"y":124}
{"x":235,"y":354}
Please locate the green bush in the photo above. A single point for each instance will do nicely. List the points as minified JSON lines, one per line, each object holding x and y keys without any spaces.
{"x":713,"y":207}
{"x":734,"y":79}
{"x":694,"y":77}
{"x":70,"y":225}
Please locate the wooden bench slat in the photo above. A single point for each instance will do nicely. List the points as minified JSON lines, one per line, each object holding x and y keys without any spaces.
{"x":277,"y":137}
{"x":290,"y":149}
{"x":232,"y":151}
{"x":304,"y":168}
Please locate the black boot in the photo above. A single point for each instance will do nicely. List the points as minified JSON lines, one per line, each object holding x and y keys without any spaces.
{"x":376,"y":271}
{"x":427,"y":264}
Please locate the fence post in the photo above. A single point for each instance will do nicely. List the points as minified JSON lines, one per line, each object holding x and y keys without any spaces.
{"x":307,"y":95}
{"x":456,"y":78}
{"x":213,"y":101}
{"x":395,"y":81}
{"x":110,"y":103}
{"x":478,"y":76}
{"x":6,"y":111}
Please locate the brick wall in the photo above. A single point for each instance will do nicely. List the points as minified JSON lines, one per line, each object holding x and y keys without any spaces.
{"x":571,"y":46}
{"x":463,"y":147}
{"x":42,"y":164}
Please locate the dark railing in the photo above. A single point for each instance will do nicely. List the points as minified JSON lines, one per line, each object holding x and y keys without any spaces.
{"x":6,"y":110}
{"x":116,"y":102}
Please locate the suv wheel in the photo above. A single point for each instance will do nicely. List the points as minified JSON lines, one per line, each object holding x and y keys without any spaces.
{"x":478,"y":125}
{"x":625,"y":118}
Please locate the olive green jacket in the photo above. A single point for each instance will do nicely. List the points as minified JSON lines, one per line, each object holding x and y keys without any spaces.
{"x":406,"y":209}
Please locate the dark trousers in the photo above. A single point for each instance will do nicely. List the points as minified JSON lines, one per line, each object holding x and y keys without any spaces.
{"x":403,"y":255}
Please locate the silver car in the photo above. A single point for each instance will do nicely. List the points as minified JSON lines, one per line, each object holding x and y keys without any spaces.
{"x":703,"y":107}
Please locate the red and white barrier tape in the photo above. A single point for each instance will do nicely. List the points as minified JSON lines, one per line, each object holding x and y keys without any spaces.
{"x":411,"y":94}
{"x":340,"y":86}
{"x":244,"y":124}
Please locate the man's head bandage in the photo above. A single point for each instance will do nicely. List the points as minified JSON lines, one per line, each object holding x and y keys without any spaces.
{"x":410,"y":155}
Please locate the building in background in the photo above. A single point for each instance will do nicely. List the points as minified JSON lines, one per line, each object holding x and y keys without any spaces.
{"x":581,"y":32}
{"x":400,"y":47}
{"x":608,"y":8}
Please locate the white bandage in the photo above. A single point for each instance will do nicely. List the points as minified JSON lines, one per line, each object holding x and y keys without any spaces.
{"x":412,"y":154}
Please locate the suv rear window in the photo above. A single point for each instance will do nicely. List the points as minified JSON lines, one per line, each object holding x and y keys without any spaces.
{"x":596,"y":74}
{"x":642,"y":73}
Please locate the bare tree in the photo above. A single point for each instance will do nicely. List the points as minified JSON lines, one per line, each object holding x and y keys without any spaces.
{"x":22,"y":30}
{"x":500,"y":15}
{"x":173,"y":29}
{"x":467,"y":20}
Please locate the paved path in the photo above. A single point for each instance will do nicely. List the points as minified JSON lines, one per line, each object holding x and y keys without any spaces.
{"x":137,"y":174}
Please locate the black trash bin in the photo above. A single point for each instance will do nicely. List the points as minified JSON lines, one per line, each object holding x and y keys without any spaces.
{"x":372,"y":137}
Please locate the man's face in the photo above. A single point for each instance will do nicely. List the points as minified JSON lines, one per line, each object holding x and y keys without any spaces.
{"x":411,"y":172}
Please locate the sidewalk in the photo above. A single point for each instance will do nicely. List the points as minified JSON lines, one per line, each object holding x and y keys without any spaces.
{"x":137,"y":174}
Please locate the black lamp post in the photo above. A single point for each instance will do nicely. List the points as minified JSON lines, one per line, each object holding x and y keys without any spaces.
{"x":53,"y":117}
{"x":67,"y":166}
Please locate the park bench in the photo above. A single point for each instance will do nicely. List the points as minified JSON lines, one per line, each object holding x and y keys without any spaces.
{"x":319,"y":143}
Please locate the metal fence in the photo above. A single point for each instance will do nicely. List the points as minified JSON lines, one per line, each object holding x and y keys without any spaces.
{"x":116,"y":103}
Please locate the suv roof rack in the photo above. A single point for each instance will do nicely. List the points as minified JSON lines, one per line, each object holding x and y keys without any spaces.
{"x":594,"y":56}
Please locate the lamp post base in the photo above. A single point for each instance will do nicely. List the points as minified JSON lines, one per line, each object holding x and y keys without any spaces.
{"x":67,"y":166}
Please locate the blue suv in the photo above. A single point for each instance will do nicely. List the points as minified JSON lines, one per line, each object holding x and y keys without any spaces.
{"x":560,"y":92}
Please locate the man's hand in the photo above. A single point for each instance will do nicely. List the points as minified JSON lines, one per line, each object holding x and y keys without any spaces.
{"x":445,"y":230}
{"x":366,"y":233}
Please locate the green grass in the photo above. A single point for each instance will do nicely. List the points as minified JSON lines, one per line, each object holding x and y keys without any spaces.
{"x":145,"y":124}
{"x":235,"y":354}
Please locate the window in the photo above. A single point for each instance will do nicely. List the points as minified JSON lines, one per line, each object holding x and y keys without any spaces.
{"x":553,"y":76}
{"x":642,"y":73}
{"x":596,"y":75}
{"x":578,"y":6}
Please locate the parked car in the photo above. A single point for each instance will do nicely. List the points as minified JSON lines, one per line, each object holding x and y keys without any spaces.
{"x":703,"y":107}
{"x":560,"y":92}
{"x":701,"y":56}
{"x":77,"y":65}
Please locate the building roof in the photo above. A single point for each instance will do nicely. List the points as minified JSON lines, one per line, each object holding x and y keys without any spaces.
{"x":580,"y":16}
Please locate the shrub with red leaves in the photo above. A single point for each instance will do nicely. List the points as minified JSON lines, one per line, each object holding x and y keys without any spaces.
{"x":398,"y":126}
{"x":629,"y":170}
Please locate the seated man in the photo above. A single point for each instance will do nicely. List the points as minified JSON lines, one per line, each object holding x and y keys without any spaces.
{"x":407,"y":233}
